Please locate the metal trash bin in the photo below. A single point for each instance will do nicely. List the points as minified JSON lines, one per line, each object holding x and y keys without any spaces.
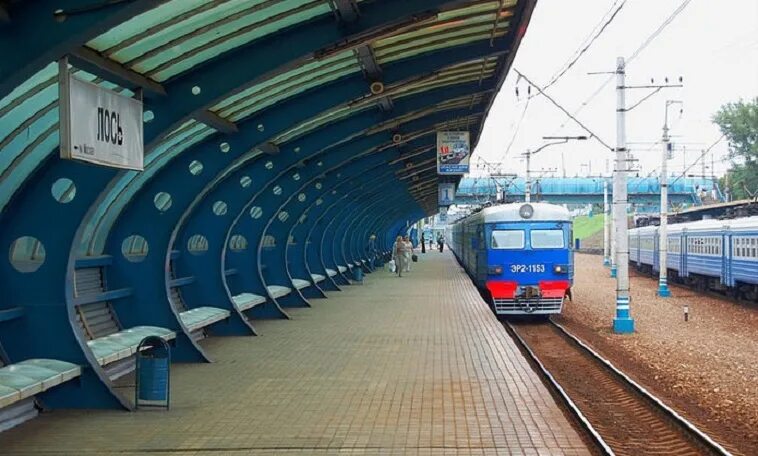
{"x":358,"y":274}
{"x":153,"y":373}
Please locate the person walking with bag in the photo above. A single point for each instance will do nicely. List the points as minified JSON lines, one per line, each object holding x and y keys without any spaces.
{"x":398,"y":253}
{"x":408,"y":253}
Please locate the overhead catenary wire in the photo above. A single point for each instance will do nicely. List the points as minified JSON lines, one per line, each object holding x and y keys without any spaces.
{"x":585,"y":47}
{"x":669,"y":19}
{"x":516,"y":130}
{"x":701,"y":157}
{"x":557,"y":105}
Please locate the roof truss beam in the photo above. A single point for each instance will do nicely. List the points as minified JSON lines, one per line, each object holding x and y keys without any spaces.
{"x":347,"y":10}
{"x":92,"y":61}
{"x":215,"y":121}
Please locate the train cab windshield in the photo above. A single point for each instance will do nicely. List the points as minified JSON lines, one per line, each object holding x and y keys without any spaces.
{"x":546,"y":239}
{"x":507,"y":239}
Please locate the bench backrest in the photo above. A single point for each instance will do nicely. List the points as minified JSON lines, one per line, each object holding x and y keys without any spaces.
{"x":97,"y":318}
{"x":89,"y":281}
{"x":176,"y":299}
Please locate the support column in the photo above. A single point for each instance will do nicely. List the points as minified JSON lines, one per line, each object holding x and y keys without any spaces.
{"x":606,"y":225}
{"x":623,"y":323}
{"x":663,"y":287}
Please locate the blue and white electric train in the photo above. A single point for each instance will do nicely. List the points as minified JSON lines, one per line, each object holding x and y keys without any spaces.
{"x":520,"y":254}
{"x":717,"y":255}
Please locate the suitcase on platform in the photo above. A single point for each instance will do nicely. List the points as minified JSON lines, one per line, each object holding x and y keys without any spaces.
{"x":414,"y":258}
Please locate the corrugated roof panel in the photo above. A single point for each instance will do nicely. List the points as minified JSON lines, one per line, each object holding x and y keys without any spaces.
{"x":179,"y":59}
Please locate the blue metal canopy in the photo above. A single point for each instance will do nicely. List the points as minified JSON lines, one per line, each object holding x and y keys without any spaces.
{"x":286,"y":141}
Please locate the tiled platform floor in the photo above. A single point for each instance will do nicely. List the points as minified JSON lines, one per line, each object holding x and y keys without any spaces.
{"x":412,"y":365}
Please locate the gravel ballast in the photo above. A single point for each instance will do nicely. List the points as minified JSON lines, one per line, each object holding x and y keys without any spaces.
{"x":706,"y":368}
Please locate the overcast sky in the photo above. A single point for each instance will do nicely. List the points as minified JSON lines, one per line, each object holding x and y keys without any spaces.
{"x":712,"y":45}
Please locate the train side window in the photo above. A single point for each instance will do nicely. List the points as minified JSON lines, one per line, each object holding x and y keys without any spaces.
{"x":507,"y":239}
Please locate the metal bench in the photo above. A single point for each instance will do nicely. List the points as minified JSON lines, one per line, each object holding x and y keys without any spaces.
{"x":278,"y":291}
{"x":27,"y":378}
{"x":300,"y":283}
{"x":198,"y":318}
{"x":20,"y":382}
{"x":246,"y":301}
{"x":111,"y":345}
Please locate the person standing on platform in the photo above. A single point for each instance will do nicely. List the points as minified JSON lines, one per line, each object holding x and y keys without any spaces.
{"x":398,"y":254}
{"x":423,"y":243}
{"x":440,"y":243}
{"x":431,"y":240}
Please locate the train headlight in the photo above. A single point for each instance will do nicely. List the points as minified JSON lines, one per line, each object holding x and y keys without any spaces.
{"x":494,"y":270}
{"x":526,"y":211}
{"x":560,"y":269}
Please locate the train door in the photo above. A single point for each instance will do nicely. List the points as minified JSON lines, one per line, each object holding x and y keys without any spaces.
{"x":481,"y":254}
{"x":726,"y":259}
{"x":683,"y":270}
{"x":656,"y":250}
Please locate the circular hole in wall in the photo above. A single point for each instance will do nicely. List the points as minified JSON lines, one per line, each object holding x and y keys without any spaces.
{"x":195,"y":167}
{"x":301,"y":197}
{"x":196,"y":90}
{"x":219,"y":208}
{"x":319,"y":202}
{"x":26,"y":254}
{"x":134,"y":248}
{"x":63,"y":190}
{"x":269,"y":241}
{"x":148,"y":116}
{"x":162,"y":201}
{"x":269,"y":164}
{"x":283,"y":216}
{"x":197,"y":244}
{"x":296,"y":176}
{"x":237,"y":243}
{"x":245,"y":181}
{"x":225,"y":147}
{"x":277,"y":190}
{"x":256,"y":212}
{"x":319,"y":185}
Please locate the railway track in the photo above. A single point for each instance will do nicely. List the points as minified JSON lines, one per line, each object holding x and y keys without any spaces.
{"x":621,"y":416}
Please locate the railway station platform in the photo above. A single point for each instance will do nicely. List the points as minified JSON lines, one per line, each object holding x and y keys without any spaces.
{"x":411,"y":365}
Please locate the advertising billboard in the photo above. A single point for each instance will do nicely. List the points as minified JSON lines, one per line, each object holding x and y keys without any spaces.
{"x":453,"y":152}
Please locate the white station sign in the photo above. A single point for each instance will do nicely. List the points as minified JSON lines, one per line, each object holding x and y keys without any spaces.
{"x":100,"y":126}
{"x":445,"y":193}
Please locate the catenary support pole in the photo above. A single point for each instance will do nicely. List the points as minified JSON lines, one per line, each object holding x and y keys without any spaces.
{"x":623,"y":323}
{"x":663,"y":288}
{"x":606,"y":225}
{"x":528,"y":180}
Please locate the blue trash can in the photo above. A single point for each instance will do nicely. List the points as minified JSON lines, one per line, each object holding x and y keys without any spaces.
{"x":153,"y":372}
{"x":358,"y":274}
{"x":576,"y":244}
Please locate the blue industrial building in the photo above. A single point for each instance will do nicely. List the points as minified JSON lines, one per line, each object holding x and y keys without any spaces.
{"x":644,"y":192}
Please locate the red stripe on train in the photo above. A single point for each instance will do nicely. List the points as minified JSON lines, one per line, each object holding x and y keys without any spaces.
{"x":549,"y":288}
